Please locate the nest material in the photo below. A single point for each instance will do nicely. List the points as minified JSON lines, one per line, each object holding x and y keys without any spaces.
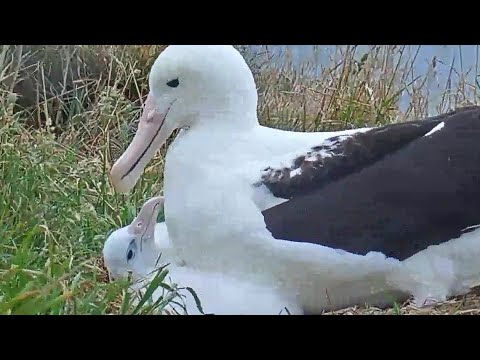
{"x":103,"y":276}
{"x":461,"y":305}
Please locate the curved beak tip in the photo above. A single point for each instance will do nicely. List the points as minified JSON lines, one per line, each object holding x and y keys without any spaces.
{"x":119,"y":184}
{"x":122,"y":187}
{"x":115,"y":182}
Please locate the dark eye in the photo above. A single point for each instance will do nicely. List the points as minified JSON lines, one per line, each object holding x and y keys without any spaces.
{"x":129,"y":255}
{"x":173,"y":83}
{"x":132,"y":247}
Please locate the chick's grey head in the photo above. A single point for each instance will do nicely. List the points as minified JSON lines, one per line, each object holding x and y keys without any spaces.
{"x":132,"y":249}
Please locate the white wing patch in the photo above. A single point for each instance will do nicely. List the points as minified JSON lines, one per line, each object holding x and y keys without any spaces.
{"x":315,"y":154}
{"x":435,"y":129}
{"x":296,"y":172}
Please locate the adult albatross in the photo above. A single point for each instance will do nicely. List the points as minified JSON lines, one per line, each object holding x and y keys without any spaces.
{"x":318,"y":191}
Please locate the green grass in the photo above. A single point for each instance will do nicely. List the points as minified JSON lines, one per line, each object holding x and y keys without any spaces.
{"x":66,"y":114}
{"x":55,"y":211}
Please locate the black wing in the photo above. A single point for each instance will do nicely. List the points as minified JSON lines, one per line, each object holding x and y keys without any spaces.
{"x":341,"y":156}
{"x":424,"y":194}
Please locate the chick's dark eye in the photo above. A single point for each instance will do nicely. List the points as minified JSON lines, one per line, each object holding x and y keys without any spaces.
{"x":129,"y":255}
{"x":173,"y":83}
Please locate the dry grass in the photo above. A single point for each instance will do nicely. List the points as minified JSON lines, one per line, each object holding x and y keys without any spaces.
{"x":352,"y":93}
{"x":461,"y":305}
{"x":67,"y":112}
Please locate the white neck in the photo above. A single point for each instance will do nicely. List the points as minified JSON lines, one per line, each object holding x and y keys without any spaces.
{"x":228,"y":121}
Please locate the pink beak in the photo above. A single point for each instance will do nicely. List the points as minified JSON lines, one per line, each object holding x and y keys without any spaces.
{"x":150,"y":136}
{"x":146,"y":219}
